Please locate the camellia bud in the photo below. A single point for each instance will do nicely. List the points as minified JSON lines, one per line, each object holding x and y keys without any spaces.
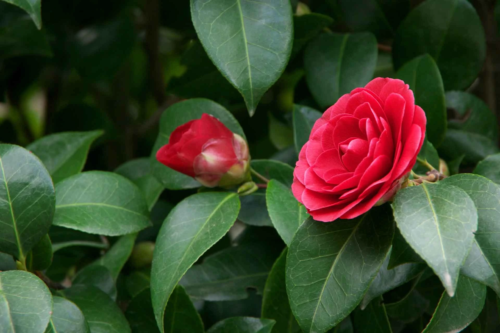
{"x":208,"y":151}
{"x":443,"y":168}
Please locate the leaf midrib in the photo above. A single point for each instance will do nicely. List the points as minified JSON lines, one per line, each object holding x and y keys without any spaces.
{"x":3,"y":296}
{"x":84,"y":204}
{"x":246,"y":52}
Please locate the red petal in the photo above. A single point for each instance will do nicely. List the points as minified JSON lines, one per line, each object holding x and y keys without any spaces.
{"x":394,"y":110}
{"x":410,"y":152}
{"x":346,"y":128}
{"x":327,"y":161}
{"x":297,"y":189}
{"x":177,"y":134}
{"x":168,"y":156}
{"x":209,"y":126}
{"x":378,"y":169}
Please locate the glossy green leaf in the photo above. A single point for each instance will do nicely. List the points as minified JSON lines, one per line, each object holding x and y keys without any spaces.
{"x":97,"y":276}
{"x":7,"y":263}
{"x":190,"y":229}
{"x":25,"y":303}
{"x":373,"y":319}
{"x":422,"y":74}
{"x":227,"y":274}
{"x":99,"y":202}
{"x":63,"y":245}
{"x":40,"y":258}
{"x":335,"y":64}
{"x":388,"y":279}
{"x":448,"y":30}
{"x":179,"y":114}
{"x":249,"y":42}
{"x":66,"y":317}
{"x":438,"y":221}
{"x":304,"y":118}
{"x":453,"y":314}
{"x":489,"y":168}
{"x":140,"y":313}
{"x":286,"y":213}
{"x":64,"y":154}
{"x":243,"y":325}
{"x":275,"y":304}
{"x":101,"y":313}
{"x":32,"y":7}
{"x":324,"y":257}
{"x":306,"y":27}
{"x":25,"y":218}
{"x":137,"y":282}
{"x":117,"y":256}
{"x":273,"y":170}
{"x":472,"y":146}
{"x":408,"y":309}
{"x":482,"y":261}
{"x":402,"y":253}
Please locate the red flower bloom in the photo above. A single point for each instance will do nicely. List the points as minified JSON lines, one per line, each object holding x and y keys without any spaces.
{"x":360,"y":151}
{"x":208,"y":151}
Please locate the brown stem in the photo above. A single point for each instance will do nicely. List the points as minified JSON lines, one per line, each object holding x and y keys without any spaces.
{"x":261,"y":185}
{"x":384,"y":48}
{"x":51,"y":284}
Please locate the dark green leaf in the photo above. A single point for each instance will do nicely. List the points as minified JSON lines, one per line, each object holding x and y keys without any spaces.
{"x":227,"y":274}
{"x":97,"y":276}
{"x":253,"y":209}
{"x":102,"y":203}
{"x":304,"y":118}
{"x":412,"y":306}
{"x":101,"y":313}
{"x":453,"y":314}
{"x":40,"y":258}
{"x":64,"y":154}
{"x":140,"y":314}
{"x":306,"y":27}
{"x":213,"y":312}
{"x":21,"y":38}
{"x":243,"y":325}
{"x":448,"y":30}
{"x":474,"y":147}
{"x":27,"y":201}
{"x":373,"y":319}
{"x":32,"y":7}
{"x":489,"y":168}
{"x":273,"y":170}
{"x":137,"y":282}
{"x":63,"y":245}
{"x":402,"y":253}
{"x":249,"y":42}
{"x":25,"y":303}
{"x":429,"y":154}
{"x":190,"y":229}
{"x":438,"y":221}
{"x":280,"y":134}
{"x":179,"y":114}
{"x":335,"y":64}
{"x":422,"y":74}
{"x":275,"y":304}
{"x":66,"y":318}
{"x":322,"y":260}
{"x":7,"y":263}
{"x":286,"y":213}
{"x":482,"y":261}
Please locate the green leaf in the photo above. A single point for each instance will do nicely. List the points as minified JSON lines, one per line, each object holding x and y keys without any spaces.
{"x":226,"y":275}
{"x":99,"y":202}
{"x":243,"y":325}
{"x":179,"y":114}
{"x":453,"y":314}
{"x":249,"y":42}
{"x":422,"y":74}
{"x":137,"y":282}
{"x":408,"y":309}
{"x":286,"y":213}
{"x":25,"y":303}
{"x":428,"y":154}
{"x":373,"y":319}
{"x":388,"y":279}
{"x":64,"y":154}
{"x":275,"y":304}
{"x":101,"y":313}
{"x":138,"y":171}
{"x":438,"y":221}
{"x":117,"y":256}
{"x":489,"y":168}
{"x":63,"y":245}
{"x":40,"y":258}
{"x":27,"y":201}
{"x":380,"y":17}
{"x":190,"y":229}
{"x":448,"y":30}
{"x":273,"y":170}
{"x":140,"y":313}
{"x":280,"y":134}
{"x":7,"y":263}
{"x":322,"y":260}
{"x":306,"y":27}
{"x":66,"y":317}
{"x":482,"y":261}
{"x":32,"y":7}
{"x":19,"y":37}
{"x":304,"y":118}
{"x":474,"y":147}
{"x":402,"y":253}
{"x":335,"y":64}
{"x":97,"y":276}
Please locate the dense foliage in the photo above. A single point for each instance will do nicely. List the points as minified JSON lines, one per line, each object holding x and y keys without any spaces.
{"x":98,"y":235}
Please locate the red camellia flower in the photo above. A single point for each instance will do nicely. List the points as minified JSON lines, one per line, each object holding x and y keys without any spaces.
{"x":208,"y":151}
{"x":360,"y":151}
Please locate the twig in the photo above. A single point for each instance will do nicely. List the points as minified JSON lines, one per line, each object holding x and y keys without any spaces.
{"x":384,"y":48}
{"x":51,"y":284}
{"x":258,"y":175}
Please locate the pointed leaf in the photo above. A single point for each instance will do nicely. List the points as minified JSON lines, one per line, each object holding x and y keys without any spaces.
{"x":323,"y":260}
{"x":179,"y":114}
{"x":27,"y":201}
{"x":190,"y":229}
{"x":243,"y":325}
{"x":489,"y":168}
{"x":286,"y":213}
{"x":438,"y":221}
{"x":99,"y":202}
{"x":32,"y":7}
{"x":40,"y":258}
{"x":66,"y":317}
{"x":64,"y":154}
{"x":304,"y":118}
{"x":305,"y":28}
{"x":482,"y":261}
{"x":453,"y":314}
{"x":373,"y":319}
{"x":25,"y":303}
{"x":97,"y":276}
{"x":140,"y":313}
{"x":335,"y":64}
{"x":249,"y":42}
{"x":412,"y":306}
